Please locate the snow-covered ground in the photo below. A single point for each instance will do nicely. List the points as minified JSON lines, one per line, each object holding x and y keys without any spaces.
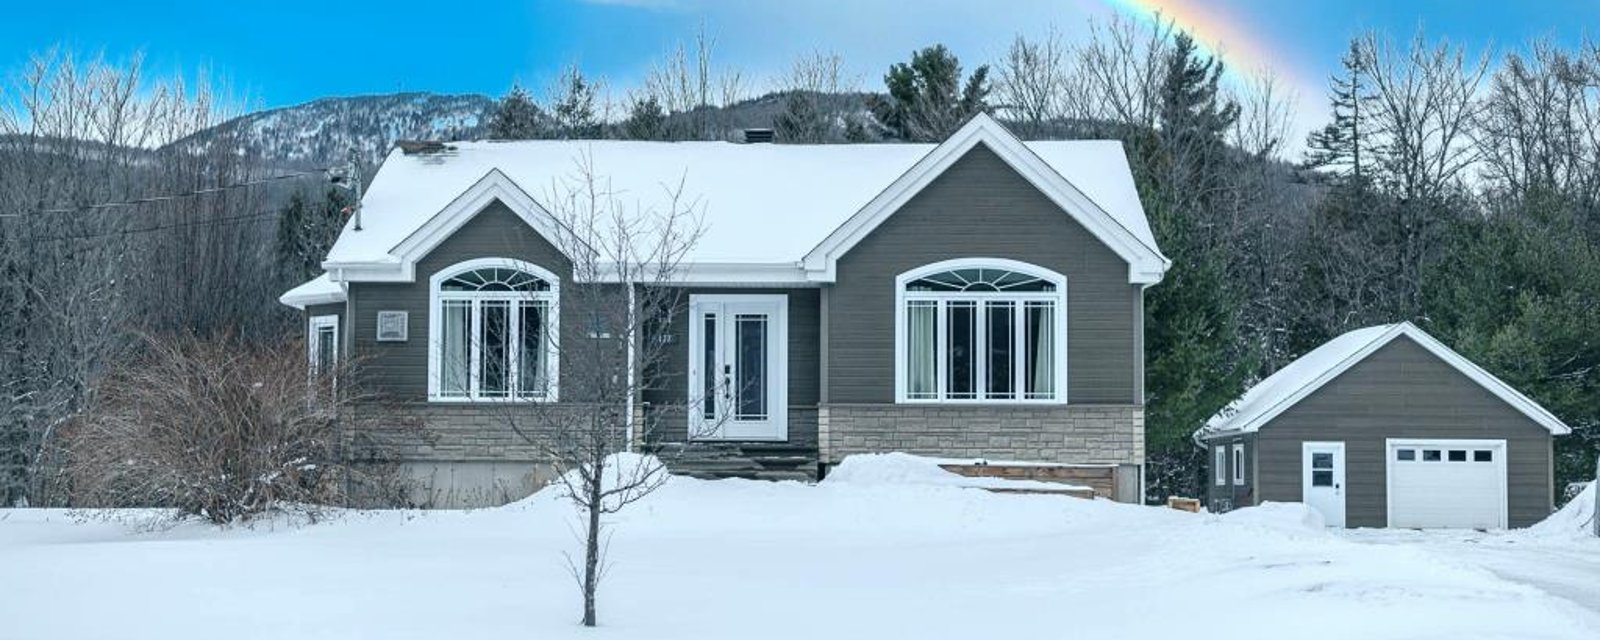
{"x":881,"y":550}
{"x":1559,"y":556}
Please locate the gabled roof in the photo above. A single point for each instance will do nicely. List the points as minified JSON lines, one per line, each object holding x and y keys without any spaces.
{"x":766,"y":207}
{"x":1125,"y":233}
{"x":318,"y":290}
{"x":1299,"y":379}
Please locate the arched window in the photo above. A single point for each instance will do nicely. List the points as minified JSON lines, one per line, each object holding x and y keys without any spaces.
{"x":980,"y":330}
{"x":492,"y":330}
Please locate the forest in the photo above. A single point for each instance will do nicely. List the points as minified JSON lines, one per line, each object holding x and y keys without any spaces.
{"x":1456,"y":189}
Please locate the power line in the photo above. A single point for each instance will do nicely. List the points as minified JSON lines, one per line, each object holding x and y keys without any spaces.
{"x":215,"y":222}
{"x":170,"y":197}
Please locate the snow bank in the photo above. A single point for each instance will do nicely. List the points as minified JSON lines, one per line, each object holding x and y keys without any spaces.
{"x":876,"y":469}
{"x":1574,"y":520}
{"x":1292,"y":517}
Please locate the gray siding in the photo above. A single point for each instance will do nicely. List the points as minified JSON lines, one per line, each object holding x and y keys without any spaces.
{"x":980,"y":207}
{"x":1230,"y":495}
{"x":1402,"y":391}
{"x":399,"y":370}
{"x":804,"y":365}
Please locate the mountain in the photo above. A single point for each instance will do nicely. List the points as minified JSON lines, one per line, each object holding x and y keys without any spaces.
{"x":323,"y":132}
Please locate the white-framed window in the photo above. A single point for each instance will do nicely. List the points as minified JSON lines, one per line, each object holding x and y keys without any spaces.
{"x":981,"y":330}
{"x":1219,"y":465}
{"x":1238,"y":464}
{"x":492,"y":332}
{"x":322,"y":345}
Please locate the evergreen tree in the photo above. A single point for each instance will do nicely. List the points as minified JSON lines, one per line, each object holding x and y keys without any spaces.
{"x":926,"y":98}
{"x":517,"y":117}
{"x":1338,"y":145}
{"x":574,"y":108}
{"x":646,"y":120}
{"x":1197,"y":361}
{"x":307,"y":228}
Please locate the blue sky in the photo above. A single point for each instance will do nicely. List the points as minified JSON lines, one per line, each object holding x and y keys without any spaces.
{"x":291,"y":51}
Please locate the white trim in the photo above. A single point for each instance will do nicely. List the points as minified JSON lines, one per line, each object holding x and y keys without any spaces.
{"x":1484,"y":379}
{"x":1501,"y":460}
{"x":1219,"y":462}
{"x":1238,"y":464}
{"x":552,"y":328}
{"x":400,"y":266}
{"x":319,"y":290}
{"x":778,"y":363}
{"x":313,"y":347}
{"x":1146,"y":264}
{"x":1340,"y":486}
{"x":1058,"y":297}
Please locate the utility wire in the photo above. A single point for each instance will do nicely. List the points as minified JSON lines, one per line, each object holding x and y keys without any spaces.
{"x":170,"y":197}
{"x":215,"y":222}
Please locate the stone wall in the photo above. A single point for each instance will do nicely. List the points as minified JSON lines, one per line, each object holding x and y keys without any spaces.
{"x":1072,"y":434}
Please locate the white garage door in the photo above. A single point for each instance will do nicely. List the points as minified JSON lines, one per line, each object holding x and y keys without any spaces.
{"x":1447,"y":484}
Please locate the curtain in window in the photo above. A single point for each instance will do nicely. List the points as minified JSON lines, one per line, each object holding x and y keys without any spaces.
{"x":1040,"y":331}
{"x":921,"y":349}
{"x":453,"y":348}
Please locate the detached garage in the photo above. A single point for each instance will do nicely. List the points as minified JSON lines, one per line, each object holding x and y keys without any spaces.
{"x":1386,"y":427}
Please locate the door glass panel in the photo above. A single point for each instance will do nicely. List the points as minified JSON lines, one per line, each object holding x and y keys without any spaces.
{"x":961,"y":318}
{"x":1321,"y":478}
{"x":325,"y":350}
{"x":711,"y":371}
{"x":1001,"y":343}
{"x":494,"y":335}
{"x":750,"y":341}
{"x":1321,"y":461}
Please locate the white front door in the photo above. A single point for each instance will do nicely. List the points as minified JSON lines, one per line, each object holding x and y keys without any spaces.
{"x":738,"y":367}
{"x":1322,"y":480}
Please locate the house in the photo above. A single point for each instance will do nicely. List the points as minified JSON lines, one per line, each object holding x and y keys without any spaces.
{"x":978,"y":298}
{"x":1386,"y":427}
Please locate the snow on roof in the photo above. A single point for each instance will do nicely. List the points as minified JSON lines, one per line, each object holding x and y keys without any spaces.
{"x":319,"y":290}
{"x":1296,"y":380}
{"x":761,"y":203}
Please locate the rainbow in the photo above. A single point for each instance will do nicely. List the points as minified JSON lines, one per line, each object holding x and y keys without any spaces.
{"x":1221,"y":35}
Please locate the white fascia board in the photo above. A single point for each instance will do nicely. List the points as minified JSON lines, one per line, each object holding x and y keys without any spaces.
{"x":494,"y":185}
{"x":1146,"y":264}
{"x":301,"y":301}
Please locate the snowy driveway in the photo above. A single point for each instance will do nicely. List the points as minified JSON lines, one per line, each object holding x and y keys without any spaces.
{"x":1565,"y":567}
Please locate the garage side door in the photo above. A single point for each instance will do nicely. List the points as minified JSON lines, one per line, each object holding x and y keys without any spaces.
{"x":1447,"y":484}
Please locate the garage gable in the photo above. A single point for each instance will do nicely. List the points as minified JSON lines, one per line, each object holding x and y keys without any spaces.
{"x":1303,"y":377}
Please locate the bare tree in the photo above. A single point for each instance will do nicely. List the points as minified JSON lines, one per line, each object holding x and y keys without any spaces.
{"x":621,"y":298}
{"x":1122,"y":65}
{"x":687,"y":81}
{"x":1035,"y":84}
{"x":1424,"y":107}
{"x":1266,"y":116}
{"x":813,"y":79}
{"x":1539,"y":127}
{"x":110,"y":220}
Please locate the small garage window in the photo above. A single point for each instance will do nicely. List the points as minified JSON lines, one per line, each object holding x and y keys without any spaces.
{"x":1483,"y":455}
{"x":1432,"y":455}
{"x":1405,"y":455}
{"x":1458,"y":455}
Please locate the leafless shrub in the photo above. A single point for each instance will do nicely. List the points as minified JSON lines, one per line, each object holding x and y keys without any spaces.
{"x":217,"y":428}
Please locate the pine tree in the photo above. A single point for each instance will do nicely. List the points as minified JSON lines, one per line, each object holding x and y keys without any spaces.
{"x":574,"y":107}
{"x":1338,"y":145}
{"x":517,"y":117}
{"x":646,"y":120}
{"x":1196,"y":363}
{"x":307,"y":228}
{"x":927,"y":100}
